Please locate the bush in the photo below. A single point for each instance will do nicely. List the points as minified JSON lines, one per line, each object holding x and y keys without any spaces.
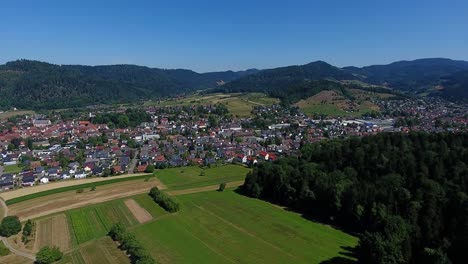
{"x":79,"y":191}
{"x":47,"y":255}
{"x":149,"y":169}
{"x":164,"y":200}
{"x":93,"y":188}
{"x":27,"y":230}
{"x":10,"y":225}
{"x":222,"y":186}
{"x":3,"y":250}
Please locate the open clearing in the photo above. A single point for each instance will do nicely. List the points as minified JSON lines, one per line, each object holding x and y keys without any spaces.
{"x":24,"y":192}
{"x":14,"y":259}
{"x":138,"y":212}
{"x":12,"y":168}
{"x":95,"y":221}
{"x":8,"y":114}
{"x":101,"y":251}
{"x":225,"y":227}
{"x":190,"y":177}
{"x":68,"y":200}
{"x":332,"y":103}
{"x":53,"y":231}
{"x":237,"y":103}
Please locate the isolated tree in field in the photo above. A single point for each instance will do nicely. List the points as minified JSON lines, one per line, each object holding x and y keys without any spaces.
{"x":222,"y":186}
{"x":47,"y":255}
{"x":10,"y":225}
{"x":27,"y":230}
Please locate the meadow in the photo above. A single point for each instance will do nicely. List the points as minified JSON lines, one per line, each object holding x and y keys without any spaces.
{"x":102,"y":251}
{"x":91,"y":222}
{"x":223,"y":227}
{"x":192,"y":177}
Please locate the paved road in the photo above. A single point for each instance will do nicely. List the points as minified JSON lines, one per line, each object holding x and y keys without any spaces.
{"x":7,"y":244}
{"x":131,"y":167}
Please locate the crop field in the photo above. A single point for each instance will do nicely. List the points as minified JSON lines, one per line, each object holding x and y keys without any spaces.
{"x":192,"y":177}
{"x":95,"y":221}
{"x":25,"y":194}
{"x":238,"y":104}
{"x":53,"y":231}
{"x":138,"y":212}
{"x":102,"y":251}
{"x":225,"y":227}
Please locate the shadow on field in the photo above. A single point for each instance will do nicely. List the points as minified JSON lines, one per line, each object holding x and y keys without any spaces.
{"x":347,"y":257}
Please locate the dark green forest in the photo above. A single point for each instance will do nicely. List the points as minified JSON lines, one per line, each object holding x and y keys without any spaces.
{"x":39,"y":85}
{"x":405,"y":195}
{"x":130,"y":118}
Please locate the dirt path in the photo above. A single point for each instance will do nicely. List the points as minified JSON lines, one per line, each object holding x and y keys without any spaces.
{"x":205,"y":189}
{"x":45,"y":187}
{"x":7,"y":243}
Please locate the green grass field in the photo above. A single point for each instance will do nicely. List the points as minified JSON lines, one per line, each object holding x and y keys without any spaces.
{"x":95,"y":221}
{"x":225,"y":227}
{"x":72,"y":188}
{"x":145,"y":201}
{"x":12,"y":168}
{"x":190,"y":177}
{"x":102,"y":251}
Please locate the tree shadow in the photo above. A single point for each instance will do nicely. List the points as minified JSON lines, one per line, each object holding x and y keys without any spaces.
{"x":348,"y":256}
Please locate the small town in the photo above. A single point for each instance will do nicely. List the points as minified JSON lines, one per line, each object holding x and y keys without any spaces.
{"x":36,"y":150}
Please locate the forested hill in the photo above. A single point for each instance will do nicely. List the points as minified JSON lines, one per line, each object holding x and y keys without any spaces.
{"x":283,"y":78}
{"x":417,"y":75}
{"x":407,"y":195}
{"x":32,"y":84}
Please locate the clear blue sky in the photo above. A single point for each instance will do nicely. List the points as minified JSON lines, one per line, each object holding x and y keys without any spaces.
{"x":236,"y":34}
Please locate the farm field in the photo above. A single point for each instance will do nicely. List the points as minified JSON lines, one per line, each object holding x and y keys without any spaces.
{"x":145,"y":201}
{"x":52,"y":231}
{"x":237,"y":103}
{"x":95,"y":221}
{"x":225,"y":227}
{"x":102,"y":251}
{"x":60,"y":202}
{"x":191,"y":177}
{"x":23,"y":194}
{"x":138,"y":212}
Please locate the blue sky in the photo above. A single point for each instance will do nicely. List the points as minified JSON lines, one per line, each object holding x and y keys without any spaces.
{"x":221,"y":35}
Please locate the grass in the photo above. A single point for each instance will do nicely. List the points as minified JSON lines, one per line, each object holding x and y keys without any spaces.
{"x":102,"y":251}
{"x":12,"y":168}
{"x":9,"y":114}
{"x":3,"y":250}
{"x":95,"y":221}
{"x":190,"y":177}
{"x":222,"y":227}
{"x":71,"y":188}
{"x":145,"y":201}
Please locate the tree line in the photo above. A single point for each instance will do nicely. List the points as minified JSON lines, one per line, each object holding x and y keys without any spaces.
{"x":405,"y":195}
{"x":165,"y":201}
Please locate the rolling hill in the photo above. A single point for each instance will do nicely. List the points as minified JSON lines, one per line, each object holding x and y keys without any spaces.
{"x":35,"y":85}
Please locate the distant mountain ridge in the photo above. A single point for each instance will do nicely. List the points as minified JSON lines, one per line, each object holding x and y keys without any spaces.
{"x":37,"y":85}
{"x":33,"y":84}
{"x":416,"y":76}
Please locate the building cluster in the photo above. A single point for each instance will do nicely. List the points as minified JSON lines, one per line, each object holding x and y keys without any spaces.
{"x":36,"y":150}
